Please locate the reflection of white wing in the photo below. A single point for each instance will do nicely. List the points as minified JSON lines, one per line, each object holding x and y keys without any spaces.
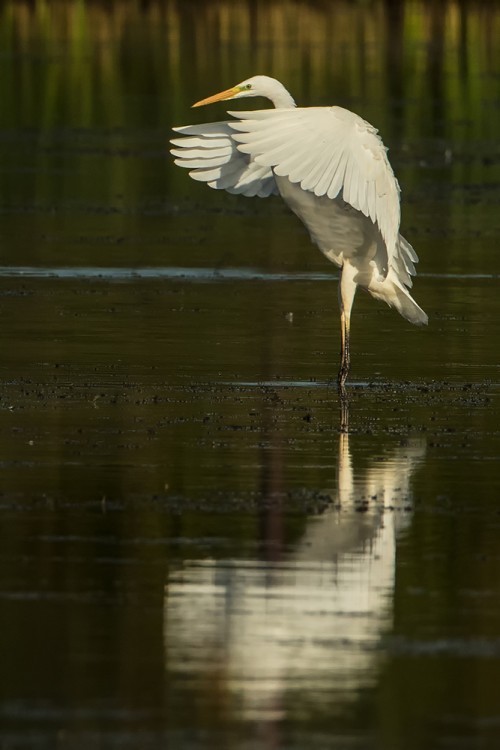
{"x":309,"y":625}
{"x":306,"y":626}
{"x":212,"y":156}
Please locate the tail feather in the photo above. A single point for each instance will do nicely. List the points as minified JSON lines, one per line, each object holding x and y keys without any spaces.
{"x":396,"y":295}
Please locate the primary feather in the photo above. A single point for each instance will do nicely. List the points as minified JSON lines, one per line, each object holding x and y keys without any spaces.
{"x":211,"y":154}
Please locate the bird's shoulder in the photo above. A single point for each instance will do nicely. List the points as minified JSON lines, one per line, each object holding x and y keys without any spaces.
{"x":333,"y":125}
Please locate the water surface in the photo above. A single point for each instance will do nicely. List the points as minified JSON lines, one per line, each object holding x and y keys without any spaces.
{"x":191,"y":554}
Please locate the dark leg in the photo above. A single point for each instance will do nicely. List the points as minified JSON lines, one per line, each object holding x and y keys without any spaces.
{"x":347,"y":290}
{"x":344,"y":409}
{"x":345,"y":354}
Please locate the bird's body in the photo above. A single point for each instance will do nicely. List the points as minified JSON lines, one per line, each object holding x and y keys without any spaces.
{"x":331,"y":168}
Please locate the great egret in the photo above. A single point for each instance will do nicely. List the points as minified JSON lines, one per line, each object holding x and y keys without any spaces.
{"x":331,"y":168}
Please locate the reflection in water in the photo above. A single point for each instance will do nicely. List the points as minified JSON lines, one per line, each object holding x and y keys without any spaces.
{"x":309,"y":624}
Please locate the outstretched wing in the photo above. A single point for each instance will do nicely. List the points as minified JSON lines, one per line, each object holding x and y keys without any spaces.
{"x":330,"y":152}
{"x":211,"y":154}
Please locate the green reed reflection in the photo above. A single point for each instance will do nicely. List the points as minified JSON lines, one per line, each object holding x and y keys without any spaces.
{"x":87,"y":60}
{"x":418,"y":70}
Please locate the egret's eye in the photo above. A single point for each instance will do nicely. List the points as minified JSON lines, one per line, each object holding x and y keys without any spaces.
{"x":248,"y":86}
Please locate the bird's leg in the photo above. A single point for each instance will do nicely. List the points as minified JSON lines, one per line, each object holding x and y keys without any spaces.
{"x":344,"y":410}
{"x":347,"y":290}
{"x":345,"y":354}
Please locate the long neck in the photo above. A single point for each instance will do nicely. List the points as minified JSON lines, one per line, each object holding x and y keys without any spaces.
{"x":280,"y":97}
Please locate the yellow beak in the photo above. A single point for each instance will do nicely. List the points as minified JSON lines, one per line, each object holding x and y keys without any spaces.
{"x":222,"y":96}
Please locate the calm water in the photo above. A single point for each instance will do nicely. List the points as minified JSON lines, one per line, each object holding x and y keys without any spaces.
{"x":191,"y":554}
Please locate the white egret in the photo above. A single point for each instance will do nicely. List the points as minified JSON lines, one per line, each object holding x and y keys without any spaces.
{"x":331,"y":168}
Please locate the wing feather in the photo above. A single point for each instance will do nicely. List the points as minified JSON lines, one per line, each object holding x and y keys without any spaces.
{"x":203,"y":143}
{"x":211,"y":155}
{"x":329,"y":151}
{"x":202,"y":161}
{"x":315,"y":175}
{"x":330,"y":181}
{"x":338,"y":176}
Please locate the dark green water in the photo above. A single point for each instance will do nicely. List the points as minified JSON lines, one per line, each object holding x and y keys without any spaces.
{"x":191,"y":555}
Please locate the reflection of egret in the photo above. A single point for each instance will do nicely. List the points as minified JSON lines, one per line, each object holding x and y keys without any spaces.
{"x":309,"y":625}
{"x":332,"y":170}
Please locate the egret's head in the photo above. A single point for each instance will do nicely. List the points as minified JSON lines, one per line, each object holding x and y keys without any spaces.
{"x":256,"y":86}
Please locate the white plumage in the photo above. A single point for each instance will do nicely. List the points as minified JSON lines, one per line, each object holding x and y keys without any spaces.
{"x":331,"y":168}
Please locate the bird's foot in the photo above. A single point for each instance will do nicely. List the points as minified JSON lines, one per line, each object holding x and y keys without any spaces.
{"x":342,"y":376}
